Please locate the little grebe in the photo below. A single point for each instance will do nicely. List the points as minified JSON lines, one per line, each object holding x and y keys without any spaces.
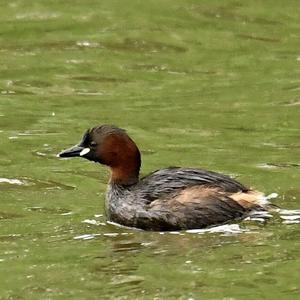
{"x":168,"y":199}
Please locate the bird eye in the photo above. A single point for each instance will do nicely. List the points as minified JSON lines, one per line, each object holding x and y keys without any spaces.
{"x":93,"y":144}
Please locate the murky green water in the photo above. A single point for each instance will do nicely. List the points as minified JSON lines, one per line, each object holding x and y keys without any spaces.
{"x":196,"y":83}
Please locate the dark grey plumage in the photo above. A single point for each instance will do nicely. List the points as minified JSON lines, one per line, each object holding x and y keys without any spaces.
{"x":170,"y":179}
{"x":153,"y":202}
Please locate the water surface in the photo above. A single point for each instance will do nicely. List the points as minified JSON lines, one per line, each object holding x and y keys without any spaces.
{"x":211,"y":84}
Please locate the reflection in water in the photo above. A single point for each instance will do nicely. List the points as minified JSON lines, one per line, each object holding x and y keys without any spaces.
{"x":9,"y":215}
{"x":25,"y":182}
{"x":49,"y":210}
{"x":10,"y":237}
{"x":290,"y":216}
{"x":259,"y":38}
{"x":278,"y":165}
{"x":222,"y":229}
{"x":129,"y":279}
{"x":93,"y":222}
{"x":99,"y":78}
{"x":12,"y":181}
{"x":230,"y":13}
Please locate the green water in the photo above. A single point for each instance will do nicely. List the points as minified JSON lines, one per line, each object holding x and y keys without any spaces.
{"x":211,"y":84}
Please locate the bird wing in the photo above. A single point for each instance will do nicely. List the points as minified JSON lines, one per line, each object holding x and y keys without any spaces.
{"x":169,"y":180}
{"x":193,"y":207}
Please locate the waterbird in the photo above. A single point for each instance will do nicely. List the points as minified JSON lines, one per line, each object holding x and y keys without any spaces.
{"x":173,"y":198}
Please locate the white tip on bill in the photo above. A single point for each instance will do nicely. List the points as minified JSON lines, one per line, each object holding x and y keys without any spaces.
{"x":84,"y":151}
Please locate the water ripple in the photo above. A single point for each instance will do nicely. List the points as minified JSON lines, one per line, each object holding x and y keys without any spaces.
{"x":290,"y":216}
{"x":25,"y":182}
